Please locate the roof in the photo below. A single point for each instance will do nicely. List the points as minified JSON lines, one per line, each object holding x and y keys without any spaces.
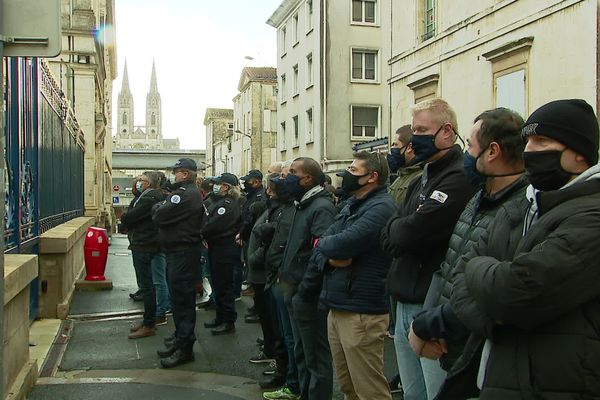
{"x":257,"y":74}
{"x":218,"y":113}
{"x":282,"y":12}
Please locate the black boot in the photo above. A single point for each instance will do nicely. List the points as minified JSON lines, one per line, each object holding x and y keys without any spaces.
{"x":224,"y":328}
{"x":169,"y":340}
{"x":212,"y":324}
{"x":274,"y":381}
{"x":179,"y":357}
{"x":167,"y":351}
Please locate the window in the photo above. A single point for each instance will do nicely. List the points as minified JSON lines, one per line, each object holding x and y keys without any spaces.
{"x":296,"y":133}
{"x":309,"y":70}
{"x":125,"y":118}
{"x":283,"y":39}
{"x":363,"y":11}
{"x":275,"y":91}
{"x":364,"y":63}
{"x":429,"y":19}
{"x":309,"y":125}
{"x":295,"y":33}
{"x":153,"y":119}
{"x":283,"y":135}
{"x":283,"y":89}
{"x":295,"y":81}
{"x":309,"y":15}
{"x":510,"y":91}
{"x":365,"y":122}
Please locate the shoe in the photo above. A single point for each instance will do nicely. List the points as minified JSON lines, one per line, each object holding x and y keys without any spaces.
{"x":132,"y":295}
{"x":212,"y":324}
{"x":260,"y":341}
{"x":137,"y":297}
{"x":178,"y":357}
{"x":271,"y":369}
{"x":169,"y":340}
{"x":136,"y":327}
{"x":252,"y":319}
{"x":261,"y":358}
{"x":162,"y":320}
{"x":167,"y":351}
{"x":143,"y":332}
{"x":224,"y":328}
{"x":394,"y":384}
{"x":281,"y":394}
{"x":206,"y":304}
{"x":272,"y":382}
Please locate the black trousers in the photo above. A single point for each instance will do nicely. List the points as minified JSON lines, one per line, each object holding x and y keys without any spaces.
{"x":182,"y":272}
{"x":265,"y":308}
{"x":142,"y":262}
{"x":223,"y":258}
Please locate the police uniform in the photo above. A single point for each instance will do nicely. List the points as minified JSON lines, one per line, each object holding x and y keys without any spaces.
{"x":179,"y":219}
{"x":219,"y":231}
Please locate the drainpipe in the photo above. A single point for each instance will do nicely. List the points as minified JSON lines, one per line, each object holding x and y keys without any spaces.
{"x":323,"y":56}
{"x":2,"y":199}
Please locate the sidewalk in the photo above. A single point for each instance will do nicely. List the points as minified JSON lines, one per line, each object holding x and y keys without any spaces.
{"x":91,"y":357}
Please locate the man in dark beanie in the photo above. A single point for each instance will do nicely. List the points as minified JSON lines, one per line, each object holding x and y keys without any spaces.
{"x":541,"y":305}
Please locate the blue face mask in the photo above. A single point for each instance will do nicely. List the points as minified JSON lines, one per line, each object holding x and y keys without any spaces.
{"x":217,"y":189}
{"x":470,"y":163}
{"x":396,"y":158}
{"x":293,"y":187}
{"x":424,"y":146}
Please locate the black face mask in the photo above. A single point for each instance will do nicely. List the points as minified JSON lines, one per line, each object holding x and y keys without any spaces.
{"x":396,"y":158}
{"x":544,"y":170}
{"x":350,"y":181}
{"x":424,"y":146}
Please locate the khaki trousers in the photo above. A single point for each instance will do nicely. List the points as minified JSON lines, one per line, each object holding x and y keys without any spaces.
{"x":356,"y":342}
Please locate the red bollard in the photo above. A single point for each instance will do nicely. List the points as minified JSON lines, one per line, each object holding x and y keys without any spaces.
{"x":95,"y":251}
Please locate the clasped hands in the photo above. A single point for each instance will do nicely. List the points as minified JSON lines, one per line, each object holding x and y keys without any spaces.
{"x":337,"y":263}
{"x":431,"y":349}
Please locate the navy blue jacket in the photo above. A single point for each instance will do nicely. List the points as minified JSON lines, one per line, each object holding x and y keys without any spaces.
{"x":355,"y":233}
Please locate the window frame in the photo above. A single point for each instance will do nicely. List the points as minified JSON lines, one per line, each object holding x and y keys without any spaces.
{"x":283,"y":40}
{"x":363,"y":21}
{"x":309,"y":125}
{"x":296,"y":127}
{"x":296,"y":29}
{"x":283,"y":84}
{"x":377,"y":127}
{"x":283,"y":134}
{"x":310,"y":78}
{"x":364,"y":51}
{"x":295,"y":78}
{"x":309,"y":16}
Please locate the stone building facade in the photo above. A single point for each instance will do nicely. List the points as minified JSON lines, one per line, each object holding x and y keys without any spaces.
{"x":219,"y":131}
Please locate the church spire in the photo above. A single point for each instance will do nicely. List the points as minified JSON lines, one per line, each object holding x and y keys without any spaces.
{"x":125,"y":82}
{"x":153,"y":84}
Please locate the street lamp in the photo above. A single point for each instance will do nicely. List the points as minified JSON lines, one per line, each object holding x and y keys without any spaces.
{"x":243,"y":133}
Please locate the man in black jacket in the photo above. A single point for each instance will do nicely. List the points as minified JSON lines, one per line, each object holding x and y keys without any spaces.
{"x":143,"y":242}
{"x":417,"y":235}
{"x":543,"y":302}
{"x":354,"y":281}
{"x":494,"y":163}
{"x":179,"y":219}
{"x":301,"y":286}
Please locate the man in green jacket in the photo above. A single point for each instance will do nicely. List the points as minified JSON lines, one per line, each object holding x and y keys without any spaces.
{"x":400,"y":161}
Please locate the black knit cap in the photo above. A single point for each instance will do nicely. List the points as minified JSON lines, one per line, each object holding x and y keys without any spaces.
{"x":572,"y":122}
{"x":226,"y":177}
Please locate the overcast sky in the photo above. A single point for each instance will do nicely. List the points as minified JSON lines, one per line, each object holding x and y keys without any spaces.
{"x":199,"y":48}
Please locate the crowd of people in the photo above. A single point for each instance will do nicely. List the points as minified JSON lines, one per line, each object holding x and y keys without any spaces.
{"x":479,"y":260}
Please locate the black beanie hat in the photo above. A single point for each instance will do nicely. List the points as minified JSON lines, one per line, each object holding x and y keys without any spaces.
{"x":571,"y":122}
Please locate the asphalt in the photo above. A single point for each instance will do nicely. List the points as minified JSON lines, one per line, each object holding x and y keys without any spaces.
{"x":99,"y":360}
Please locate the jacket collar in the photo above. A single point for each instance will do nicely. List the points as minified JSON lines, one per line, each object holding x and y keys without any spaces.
{"x":354,"y":202}
{"x":501,"y":195}
{"x":451,"y":156}
{"x":546,"y":201}
{"x":317,"y":191}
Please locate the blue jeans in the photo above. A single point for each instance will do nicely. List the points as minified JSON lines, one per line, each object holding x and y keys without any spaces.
{"x":291,"y":379}
{"x":159,"y":277}
{"x":421,"y":378}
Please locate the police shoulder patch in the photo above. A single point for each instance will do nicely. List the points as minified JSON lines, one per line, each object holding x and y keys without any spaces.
{"x":221,"y":210}
{"x":175,"y":199}
{"x":439,"y":196}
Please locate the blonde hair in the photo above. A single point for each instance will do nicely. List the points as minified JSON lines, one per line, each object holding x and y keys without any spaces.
{"x":440,"y":111}
{"x":232,"y":191}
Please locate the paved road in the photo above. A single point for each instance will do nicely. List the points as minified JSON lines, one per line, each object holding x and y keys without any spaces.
{"x":100,"y":362}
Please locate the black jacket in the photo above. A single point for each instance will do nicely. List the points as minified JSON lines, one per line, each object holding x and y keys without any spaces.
{"x":312,"y":216}
{"x":281,"y":219}
{"x":260,"y":239}
{"x":222,"y":221}
{"x":417,"y":235}
{"x":248,"y":218}
{"x":179,"y":217}
{"x":141,"y":231}
{"x":359,"y":287}
{"x":439,"y":321}
{"x":545,"y":302}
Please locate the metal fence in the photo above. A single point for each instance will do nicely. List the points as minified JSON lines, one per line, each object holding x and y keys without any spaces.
{"x":44,"y":155}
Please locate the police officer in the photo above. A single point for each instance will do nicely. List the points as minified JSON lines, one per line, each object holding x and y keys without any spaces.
{"x":219,"y":231}
{"x":179,"y":219}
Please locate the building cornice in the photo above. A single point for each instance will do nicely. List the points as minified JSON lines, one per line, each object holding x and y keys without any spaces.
{"x":283,"y":12}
